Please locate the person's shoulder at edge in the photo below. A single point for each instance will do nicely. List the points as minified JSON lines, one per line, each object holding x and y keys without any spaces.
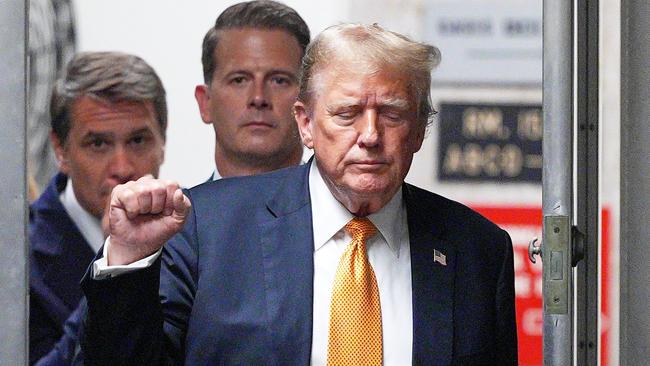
{"x":48,"y":199}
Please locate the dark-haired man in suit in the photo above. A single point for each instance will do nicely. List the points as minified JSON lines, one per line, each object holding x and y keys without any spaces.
{"x":251,"y":58}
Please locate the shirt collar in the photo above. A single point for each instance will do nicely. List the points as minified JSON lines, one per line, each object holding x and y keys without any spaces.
{"x":389,"y":221}
{"x":329,"y":216}
{"x":306,"y":155}
{"x":215,"y":174}
{"x":89,"y":226}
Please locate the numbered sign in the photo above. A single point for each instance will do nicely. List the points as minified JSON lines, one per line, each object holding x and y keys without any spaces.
{"x":490,"y":142}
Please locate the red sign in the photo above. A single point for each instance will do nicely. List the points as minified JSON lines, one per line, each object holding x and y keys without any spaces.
{"x":523,"y":224}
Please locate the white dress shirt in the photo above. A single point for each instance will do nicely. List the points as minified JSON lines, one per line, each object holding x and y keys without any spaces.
{"x":89,"y":226}
{"x":390,"y":257}
{"x":215,"y":175}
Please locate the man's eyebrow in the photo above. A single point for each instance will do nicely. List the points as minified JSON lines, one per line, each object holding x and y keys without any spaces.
{"x":107,"y":135}
{"x":94,"y":135}
{"x":237,"y":72}
{"x":140,"y":131}
{"x":399,"y":103}
{"x":273,"y":72}
{"x":343,"y":103}
{"x":292,"y":75}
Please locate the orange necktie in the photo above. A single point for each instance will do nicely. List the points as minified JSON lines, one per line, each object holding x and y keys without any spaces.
{"x":355,"y":311}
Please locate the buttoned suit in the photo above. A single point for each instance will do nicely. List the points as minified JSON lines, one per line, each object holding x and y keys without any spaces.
{"x":235,"y":286}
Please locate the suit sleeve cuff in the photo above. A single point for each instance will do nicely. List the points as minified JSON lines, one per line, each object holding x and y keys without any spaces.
{"x":101,"y":270}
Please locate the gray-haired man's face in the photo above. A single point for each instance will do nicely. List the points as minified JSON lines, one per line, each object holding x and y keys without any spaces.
{"x":108,"y":144}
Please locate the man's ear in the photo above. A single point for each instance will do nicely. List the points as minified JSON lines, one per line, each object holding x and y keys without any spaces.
{"x":60,"y":152}
{"x":305,"y":123}
{"x":202,"y":95}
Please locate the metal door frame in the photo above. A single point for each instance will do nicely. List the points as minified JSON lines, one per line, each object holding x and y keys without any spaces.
{"x":570,"y":192}
{"x":14,"y":260}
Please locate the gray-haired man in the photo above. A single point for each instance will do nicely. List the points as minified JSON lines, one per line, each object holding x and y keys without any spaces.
{"x":109,"y":117}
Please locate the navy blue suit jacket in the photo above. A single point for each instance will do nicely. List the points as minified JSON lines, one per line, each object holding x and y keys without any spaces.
{"x":235,"y":286}
{"x":67,"y":351}
{"x":59,"y":256}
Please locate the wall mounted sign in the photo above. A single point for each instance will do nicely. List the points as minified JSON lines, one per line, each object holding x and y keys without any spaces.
{"x":490,"y":143}
{"x":486,"y":42}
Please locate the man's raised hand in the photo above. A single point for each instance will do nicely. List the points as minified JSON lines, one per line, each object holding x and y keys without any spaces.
{"x":142,"y":216}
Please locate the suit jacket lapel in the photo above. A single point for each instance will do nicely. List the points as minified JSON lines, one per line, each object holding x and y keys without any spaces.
{"x":60,"y":249}
{"x":287,"y":247}
{"x":432,"y":282}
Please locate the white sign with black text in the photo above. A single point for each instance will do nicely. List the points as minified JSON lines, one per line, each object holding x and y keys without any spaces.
{"x":486,"y":42}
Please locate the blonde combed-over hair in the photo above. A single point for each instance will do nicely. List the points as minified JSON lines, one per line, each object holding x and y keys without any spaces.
{"x":377,"y":48}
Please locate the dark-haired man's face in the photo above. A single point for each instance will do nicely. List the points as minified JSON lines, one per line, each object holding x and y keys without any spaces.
{"x":250,"y":97}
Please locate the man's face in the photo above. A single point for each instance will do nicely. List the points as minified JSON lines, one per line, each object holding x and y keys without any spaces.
{"x":108,"y":144}
{"x":364,"y":132}
{"x":251,"y":94}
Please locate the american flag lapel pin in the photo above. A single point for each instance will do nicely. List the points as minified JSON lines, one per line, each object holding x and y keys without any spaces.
{"x":439,"y":257}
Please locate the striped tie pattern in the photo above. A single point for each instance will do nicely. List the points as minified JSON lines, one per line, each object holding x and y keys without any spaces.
{"x":355,"y":336}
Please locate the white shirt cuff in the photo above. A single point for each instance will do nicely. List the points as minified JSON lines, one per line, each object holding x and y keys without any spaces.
{"x":101,"y":269}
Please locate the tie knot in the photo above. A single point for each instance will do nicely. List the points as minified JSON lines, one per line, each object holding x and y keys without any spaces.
{"x":360,"y":228}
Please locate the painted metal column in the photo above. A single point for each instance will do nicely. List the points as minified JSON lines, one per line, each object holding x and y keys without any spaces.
{"x":13,"y":235}
{"x":635,"y":182}
{"x":557,"y":181}
{"x":587,"y":280}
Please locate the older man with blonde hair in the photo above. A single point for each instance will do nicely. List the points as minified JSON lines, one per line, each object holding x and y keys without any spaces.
{"x":336,"y":262}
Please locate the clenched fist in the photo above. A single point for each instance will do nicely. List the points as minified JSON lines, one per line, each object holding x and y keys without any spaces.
{"x":142,"y":216}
